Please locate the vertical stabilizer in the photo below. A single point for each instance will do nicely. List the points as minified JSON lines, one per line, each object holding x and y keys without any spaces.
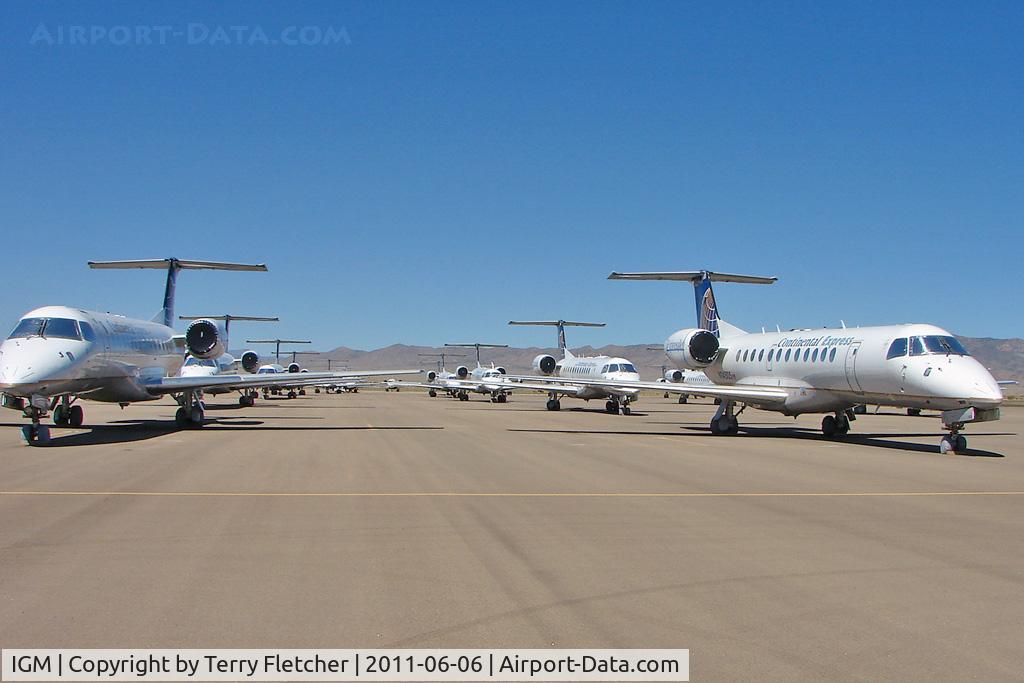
{"x":561,"y":325}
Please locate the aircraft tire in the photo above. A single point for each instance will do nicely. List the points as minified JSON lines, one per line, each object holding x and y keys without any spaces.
{"x":829,"y":426}
{"x":76,"y":416}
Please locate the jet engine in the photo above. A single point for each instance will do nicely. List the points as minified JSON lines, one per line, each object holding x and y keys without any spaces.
{"x":501,"y":370}
{"x":203,"y":340}
{"x":250,"y":361}
{"x":544,"y":364}
{"x":462,"y":372}
{"x":431,"y":376}
{"x":294,"y":367}
{"x":673,"y":375}
{"x":693,"y":349}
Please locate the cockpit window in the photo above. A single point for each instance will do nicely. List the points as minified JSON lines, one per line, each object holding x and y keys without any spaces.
{"x":60,"y":328}
{"x":193,"y":362}
{"x":944,"y":345}
{"x":87,"y":332}
{"x":28,"y":327}
{"x":614,"y":367}
{"x":916,"y":346}
{"x":628,"y":367}
{"x":897,"y":349}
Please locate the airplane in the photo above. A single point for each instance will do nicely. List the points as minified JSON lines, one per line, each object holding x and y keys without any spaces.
{"x":481,"y":380}
{"x":225,"y":363}
{"x":828,"y":370}
{"x":294,"y":389}
{"x":59,"y":354}
{"x":563,"y":372}
{"x":441,"y":375}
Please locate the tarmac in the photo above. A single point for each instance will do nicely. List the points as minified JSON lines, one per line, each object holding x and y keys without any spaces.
{"x":397,"y":520}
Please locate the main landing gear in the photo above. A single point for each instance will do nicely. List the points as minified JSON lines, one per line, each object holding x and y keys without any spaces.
{"x":462,"y":396}
{"x":725,"y":422}
{"x":838,"y":424}
{"x":66,"y":413}
{"x":192,"y":410}
{"x":612,"y":406}
{"x":499,"y":397}
{"x":432,"y":393}
{"x":553,"y":403}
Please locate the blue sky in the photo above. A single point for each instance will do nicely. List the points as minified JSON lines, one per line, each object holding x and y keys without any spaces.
{"x":454,"y":165}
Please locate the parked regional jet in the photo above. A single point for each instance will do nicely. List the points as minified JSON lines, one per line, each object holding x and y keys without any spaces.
{"x":564,"y":371}
{"x":826,"y":370}
{"x":481,"y":380}
{"x":58,"y":354}
{"x":438,"y":379}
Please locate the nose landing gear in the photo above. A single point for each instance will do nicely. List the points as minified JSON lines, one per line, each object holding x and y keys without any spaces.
{"x":954,"y":442}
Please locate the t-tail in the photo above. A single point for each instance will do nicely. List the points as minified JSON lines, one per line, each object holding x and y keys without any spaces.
{"x":561,"y":325}
{"x":707,"y":308}
{"x":172,"y":266}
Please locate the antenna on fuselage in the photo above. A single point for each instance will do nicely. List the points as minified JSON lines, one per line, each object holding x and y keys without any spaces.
{"x":478,"y":346}
{"x":561,"y":325}
{"x":172,"y":266}
{"x":277,"y":344}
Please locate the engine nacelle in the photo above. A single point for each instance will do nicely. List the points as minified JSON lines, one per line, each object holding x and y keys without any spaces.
{"x":545,"y":364}
{"x":673,"y":375}
{"x":501,"y":370}
{"x":294,"y":367}
{"x":692,"y":349}
{"x":250,"y":361}
{"x":203,"y":339}
{"x":462,"y":372}
{"x":431,"y":376}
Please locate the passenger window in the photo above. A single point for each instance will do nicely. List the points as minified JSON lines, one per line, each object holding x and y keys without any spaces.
{"x":807,"y":354}
{"x":760,"y":355}
{"x":787,"y":354}
{"x":814,"y":356}
{"x":832,"y":355}
{"x":771,"y":354}
{"x":897,"y":348}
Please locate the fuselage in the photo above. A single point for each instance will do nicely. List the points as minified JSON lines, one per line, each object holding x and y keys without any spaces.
{"x":823,"y":370}
{"x":608,"y":368}
{"x":56,"y":350}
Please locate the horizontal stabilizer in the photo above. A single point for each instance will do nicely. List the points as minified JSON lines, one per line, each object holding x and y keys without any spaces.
{"x":554,"y":323}
{"x":695,"y":276}
{"x":226,"y":318}
{"x":181,"y":264}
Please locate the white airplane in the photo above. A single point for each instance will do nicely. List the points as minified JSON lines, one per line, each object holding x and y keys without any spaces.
{"x":559,"y":376}
{"x":437,"y":379}
{"x":58,"y":354}
{"x":226,"y":363}
{"x":294,"y":389}
{"x":826,"y":370}
{"x":481,"y":380}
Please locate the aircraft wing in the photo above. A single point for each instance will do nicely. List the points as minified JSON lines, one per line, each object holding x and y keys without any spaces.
{"x":735,"y":392}
{"x":173,"y":385}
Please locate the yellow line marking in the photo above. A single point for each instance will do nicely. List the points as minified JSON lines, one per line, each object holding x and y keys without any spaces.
{"x":484,"y":494}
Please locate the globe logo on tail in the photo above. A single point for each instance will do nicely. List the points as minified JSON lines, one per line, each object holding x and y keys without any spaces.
{"x":709,"y":312}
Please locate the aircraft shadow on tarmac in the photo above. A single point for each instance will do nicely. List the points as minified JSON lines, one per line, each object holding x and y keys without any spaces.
{"x":127,"y":431}
{"x":867,"y":439}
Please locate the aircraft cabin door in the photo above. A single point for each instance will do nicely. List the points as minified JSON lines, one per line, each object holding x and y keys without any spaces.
{"x":851,"y":367}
